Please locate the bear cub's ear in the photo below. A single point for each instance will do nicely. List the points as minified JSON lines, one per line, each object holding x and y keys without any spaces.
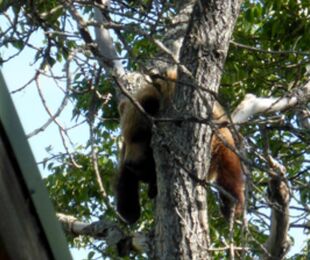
{"x":122,"y":106}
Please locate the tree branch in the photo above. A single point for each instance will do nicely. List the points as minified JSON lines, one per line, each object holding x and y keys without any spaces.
{"x":252,"y":105}
{"x":108,"y":231}
{"x":278,"y":242}
{"x":251,"y":48}
{"x":104,"y":39}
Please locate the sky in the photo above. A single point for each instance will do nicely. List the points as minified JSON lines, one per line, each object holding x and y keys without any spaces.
{"x":32,"y":115}
{"x":30,"y":108}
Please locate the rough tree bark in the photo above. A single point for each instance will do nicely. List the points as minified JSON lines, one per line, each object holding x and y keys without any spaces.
{"x":278,"y":243}
{"x":182,"y":150}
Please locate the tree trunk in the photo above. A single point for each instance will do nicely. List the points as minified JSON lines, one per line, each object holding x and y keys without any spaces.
{"x":182,"y":150}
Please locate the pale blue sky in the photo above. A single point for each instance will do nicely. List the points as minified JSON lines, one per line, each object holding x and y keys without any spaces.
{"x":32,"y":115}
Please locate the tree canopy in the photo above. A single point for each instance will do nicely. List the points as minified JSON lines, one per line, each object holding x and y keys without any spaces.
{"x":268,"y":56}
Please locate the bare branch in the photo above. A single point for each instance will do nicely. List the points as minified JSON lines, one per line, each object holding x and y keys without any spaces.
{"x":303,"y":53}
{"x":278,"y":242}
{"x":51,"y":118}
{"x":62,"y":130}
{"x":104,"y":39}
{"x":107,"y":231}
{"x":252,"y":105}
{"x":94,"y":157}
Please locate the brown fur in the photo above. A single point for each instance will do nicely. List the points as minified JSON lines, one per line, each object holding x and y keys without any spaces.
{"x":225,"y":170}
{"x":225,"y":166}
{"x":137,"y":162}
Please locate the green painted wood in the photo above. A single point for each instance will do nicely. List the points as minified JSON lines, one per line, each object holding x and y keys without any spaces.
{"x":31,"y":175}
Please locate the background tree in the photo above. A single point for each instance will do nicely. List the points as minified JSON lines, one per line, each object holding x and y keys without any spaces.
{"x":268,"y":57}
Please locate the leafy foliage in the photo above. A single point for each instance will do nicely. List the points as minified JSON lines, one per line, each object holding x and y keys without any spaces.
{"x":269,"y":56}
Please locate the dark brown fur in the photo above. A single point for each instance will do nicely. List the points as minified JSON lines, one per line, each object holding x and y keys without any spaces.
{"x":137,"y":162}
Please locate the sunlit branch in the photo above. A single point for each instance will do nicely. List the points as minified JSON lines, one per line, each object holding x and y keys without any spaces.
{"x":252,"y":105}
{"x":104,"y":39}
{"x":108,"y":231}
